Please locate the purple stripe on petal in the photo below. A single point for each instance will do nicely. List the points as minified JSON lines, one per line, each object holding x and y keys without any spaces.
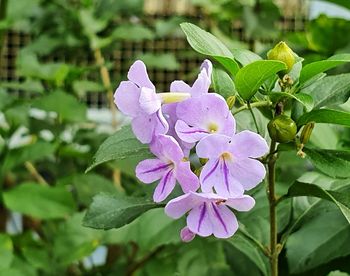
{"x":211,"y":171}
{"x":201,"y":216}
{"x":166,"y":179}
{"x":194,"y":131}
{"x":217,"y":214}
{"x":225,"y":171}
{"x":157,"y":168}
{"x":160,"y":119}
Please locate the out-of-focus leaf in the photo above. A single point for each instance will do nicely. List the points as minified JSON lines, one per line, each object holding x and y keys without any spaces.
{"x":334,"y":163}
{"x":66,"y":106}
{"x":6,"y":254}
{"x":28,"y":85}
{"x":341,"y":200}
{"x":317,"y":67}
{"x":207,"y":44}
{"x":81,"y":87}
{"x":222,"y":83}
{"x":109,"y":211}
{"x":252,"y":76}
{"x":132,"y":33}
{"x":119,"y":146}
{"x":160,"y":61}
{"x":328,"y":116}
{"x":331,"y":90}
{"x":41,"y":202}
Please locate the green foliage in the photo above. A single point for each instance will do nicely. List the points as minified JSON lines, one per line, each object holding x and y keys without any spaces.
{"x":108,"y":211}
{"x":253,"y":75}
{"x":222,"y":83}
{"x":43,"y":202}
{"x":327,"y":116}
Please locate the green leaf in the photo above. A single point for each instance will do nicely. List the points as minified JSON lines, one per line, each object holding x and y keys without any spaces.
{"x":305,"y":99}
{"x":41,"y":202}
{"x":317,"y":67}
{"x":207,"y":44}
{"x":331,"y":90}
{"x":119,"y":146}
{"x":32,"y":152}
{"x":341,"y":200}
{"x":132,"y":33}
{"x":252,"y":76}
{"x":327,"y":116}
{"x":334,"y":163}
{"x":222,"y":83}
{"x":244,"y":56}
{"x":6,"y":251}
{"x":160,"y":61}
{"x":81,"y":87}
{"x":109,"y":211}
{"x":323,"y":237}
{"x":66,"y":106}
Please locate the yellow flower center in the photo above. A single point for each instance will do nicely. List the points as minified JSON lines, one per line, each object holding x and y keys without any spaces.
{"x":213,"y":127}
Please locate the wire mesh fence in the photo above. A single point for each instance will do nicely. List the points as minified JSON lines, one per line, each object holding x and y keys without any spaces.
{"x":293,"y":19}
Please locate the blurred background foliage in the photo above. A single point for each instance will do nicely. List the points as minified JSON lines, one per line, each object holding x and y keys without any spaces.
{"x":59,"y":65}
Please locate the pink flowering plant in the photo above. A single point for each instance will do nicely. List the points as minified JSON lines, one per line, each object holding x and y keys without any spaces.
{"x":207,"y":150}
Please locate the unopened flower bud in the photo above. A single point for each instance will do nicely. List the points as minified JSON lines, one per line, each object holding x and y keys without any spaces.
{"x":306,"y":132}
{"x":186,"y":234}
{"x":231,"y":101}
{"x":172,"y":97}
{"x":282,"y":53}
{"x":282,"y":129}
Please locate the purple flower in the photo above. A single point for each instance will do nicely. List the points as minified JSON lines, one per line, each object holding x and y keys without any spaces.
{"x":169,"y":166}
{"x":199,"y":117}
{"x":200,"y":87}
{"x":186,"y":234}
{"x":231,"y":167}
{"x":209,"y":213}
{"x":137,"y":98}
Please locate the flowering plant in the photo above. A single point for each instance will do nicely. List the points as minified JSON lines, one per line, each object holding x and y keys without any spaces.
{"x":215,"y":145}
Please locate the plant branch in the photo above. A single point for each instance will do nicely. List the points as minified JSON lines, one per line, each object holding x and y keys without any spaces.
{"x":274,"y":251}
{"x":34,"y":172}
{"x":251,"y":105}
{"x":253,"y":116}
{"x":106,"y":80}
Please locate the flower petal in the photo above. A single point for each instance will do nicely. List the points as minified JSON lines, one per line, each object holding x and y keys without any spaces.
{"x":198,"y":220}
{"x":248,"y":144}
{"x":203,"y":81}
{"x":248,"y":172}
{"x":166,"y":148}
{"x":180,"y":86}
{"x":186,"y":234}
{"x":189,"y":134}
{"x":149,"y":100}
{"x":213,"y":146}
{"x":126,"y":97}
{"x":186,"y":178}
{"x":224,"y":222}
{"x":138,"y":74}
{"x":150,"y":170}
{"x":244,"y":203}
{"x":210,"y":174}
{"x":179,"y":206}
{"x":165,"y":186}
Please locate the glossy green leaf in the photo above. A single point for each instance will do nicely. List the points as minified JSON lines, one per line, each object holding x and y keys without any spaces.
{"x":207,"y":44}
{"x":119,"y":146}
{"x":244,"y":56}
{"x":317,"y":67}
{"x":109,"y":211}
{"x":222,"y":83}
{"x":341,"y":200}
{"x":41,"y":202}
{"x":334,"y":163}
{"x":331,"y":90}
{"x":327,"y":116}
{"x":252,"y":76}
{"x":67,"y":107}
{"x":305,"y":99}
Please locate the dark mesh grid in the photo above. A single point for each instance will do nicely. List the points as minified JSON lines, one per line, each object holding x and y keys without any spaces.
{"x":121,"y":57}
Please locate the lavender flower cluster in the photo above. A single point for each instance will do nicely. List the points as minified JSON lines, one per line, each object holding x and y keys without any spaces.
{"x":191,"y":122}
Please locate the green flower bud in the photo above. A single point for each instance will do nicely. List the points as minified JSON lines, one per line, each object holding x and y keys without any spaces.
{"x":282,"y":53}
{"x":231,"y":101}
{"x":282,"y":129}
{"x":306,"y":132}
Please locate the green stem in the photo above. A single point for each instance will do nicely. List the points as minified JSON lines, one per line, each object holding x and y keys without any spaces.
{"x":253,"y":116}
{"x":255,"y":104}
{"x":272,"y":205}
